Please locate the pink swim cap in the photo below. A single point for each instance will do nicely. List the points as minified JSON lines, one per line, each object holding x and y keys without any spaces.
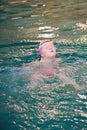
{"x":43,"y":43}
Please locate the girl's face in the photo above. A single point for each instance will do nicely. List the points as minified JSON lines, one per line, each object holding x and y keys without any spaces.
{"x":48,"y":51}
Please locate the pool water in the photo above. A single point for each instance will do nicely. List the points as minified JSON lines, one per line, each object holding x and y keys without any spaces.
{"x":50,"y":105}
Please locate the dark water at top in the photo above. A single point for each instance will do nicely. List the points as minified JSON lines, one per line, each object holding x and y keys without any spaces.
{"x":50,"y":106}
{"x":26,"y":20}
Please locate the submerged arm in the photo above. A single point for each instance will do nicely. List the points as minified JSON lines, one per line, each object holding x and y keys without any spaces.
{"x":67,"y":80}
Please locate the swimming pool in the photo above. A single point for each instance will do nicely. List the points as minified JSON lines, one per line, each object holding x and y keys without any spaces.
{"x":49,"y":106}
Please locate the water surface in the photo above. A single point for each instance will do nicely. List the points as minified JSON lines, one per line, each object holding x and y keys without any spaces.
{"x":50,"y":106}
{"x":25,"y":21}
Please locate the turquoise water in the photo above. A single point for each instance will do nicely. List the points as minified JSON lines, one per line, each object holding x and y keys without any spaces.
{"x":50,"y":105}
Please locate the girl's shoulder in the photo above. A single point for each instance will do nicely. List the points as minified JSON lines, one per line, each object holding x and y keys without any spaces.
{"x":35,"y":62}
{"x":59,"y":60}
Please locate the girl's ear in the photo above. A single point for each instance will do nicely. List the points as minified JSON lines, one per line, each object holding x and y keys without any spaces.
{"x":41,"y":55}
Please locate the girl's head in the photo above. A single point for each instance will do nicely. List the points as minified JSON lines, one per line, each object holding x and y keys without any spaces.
{"x":47,"y":48}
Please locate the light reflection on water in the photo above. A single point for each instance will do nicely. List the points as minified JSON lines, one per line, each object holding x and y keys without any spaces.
{"x":21,"y":21}
{"x":50,"y":106}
